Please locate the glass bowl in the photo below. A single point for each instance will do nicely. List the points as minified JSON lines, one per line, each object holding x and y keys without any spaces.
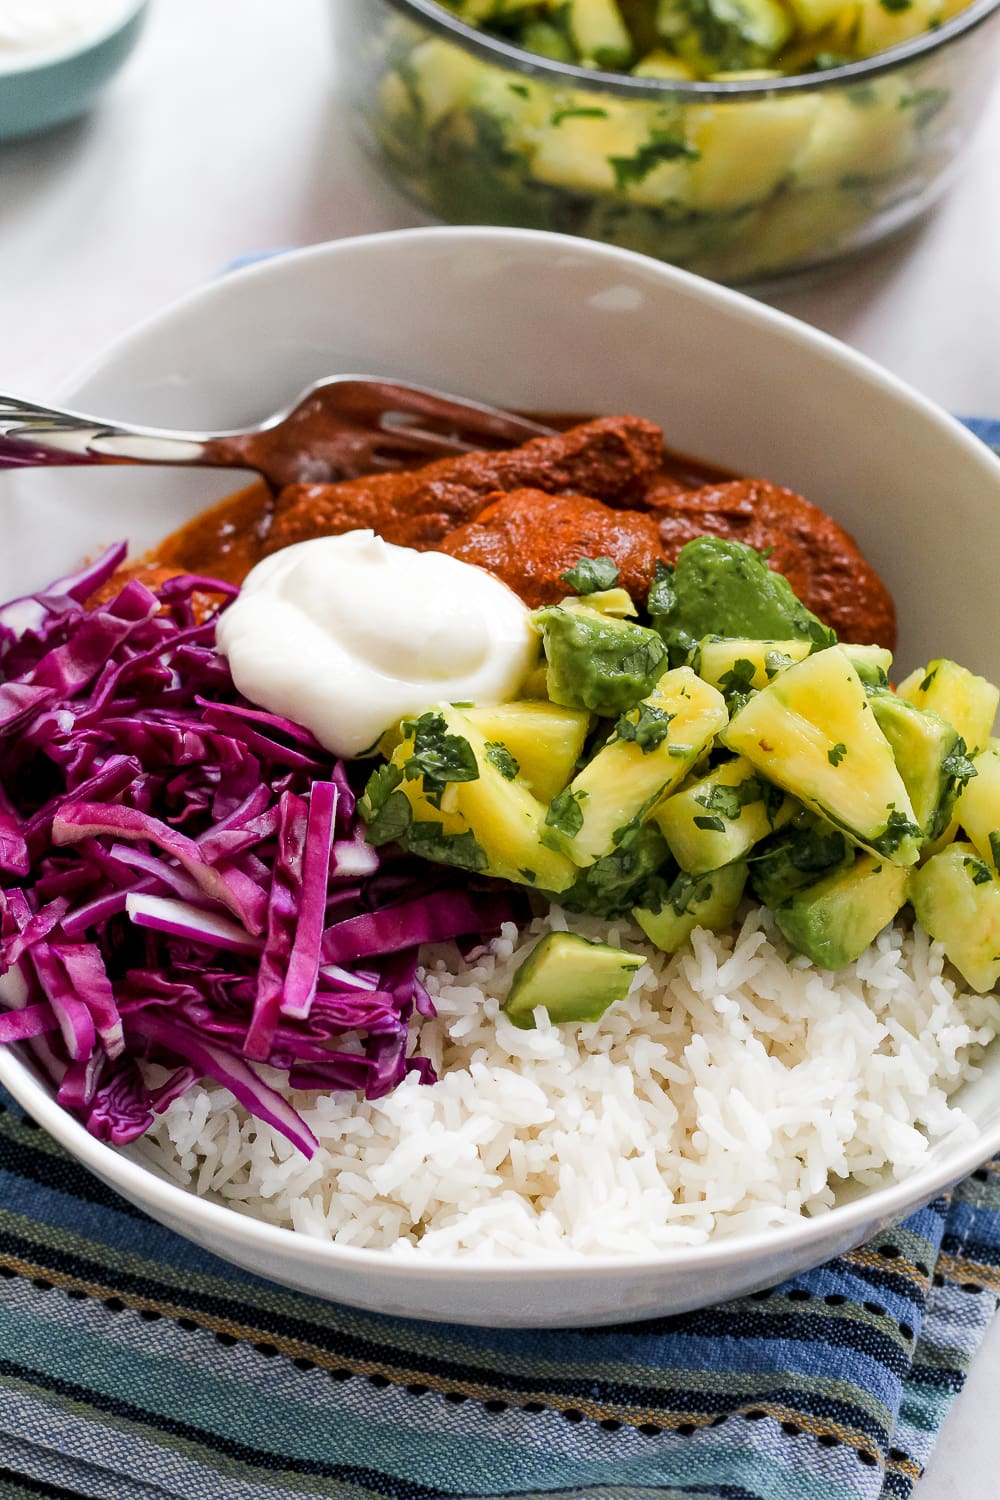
{"x":739,"y":181}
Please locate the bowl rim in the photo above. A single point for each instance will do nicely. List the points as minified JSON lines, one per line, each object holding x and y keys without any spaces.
{"x":37,"y":61}
{"x":289,"y":1247}
{"x":493,"y":49}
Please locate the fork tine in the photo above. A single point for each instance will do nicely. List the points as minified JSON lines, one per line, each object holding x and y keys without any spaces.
{"x":382,"y":400}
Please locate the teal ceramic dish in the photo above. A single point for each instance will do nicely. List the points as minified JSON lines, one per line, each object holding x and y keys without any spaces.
{"x":59,"y":85}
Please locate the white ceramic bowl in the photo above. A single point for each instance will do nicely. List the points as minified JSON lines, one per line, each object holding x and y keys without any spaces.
{"x":533,"y":320}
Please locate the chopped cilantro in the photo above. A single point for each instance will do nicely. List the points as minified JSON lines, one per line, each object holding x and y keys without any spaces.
{"x":565,"y":813}
{"x":959,"y":764}
{"x":775,"y":662}
{"x":995,"y":849}
{"x":925,"y":103}
{"x":648,"y":730}
{"x":662,"y":596}
{"x":836,"y":753}
{"x":592,"y":575}
{"x":713,"y":824}
{"x":820,"y":635}
{"x":895,"y":6}
{"x":625,"y":877}
{"x":530,"y":876}
{"x":979,"y":871}
{"x":439,"y":757}
{"x":499,"y":756}
{"x":729,"y":801}
{"x":898,"y":827}
{"x":737,"y":683}
{"x":928,"y":680}
{"x":429,"y":841}
{"x":578,"y":114}
{"x":385,"y":810}
{"x":520,"y":89}
{"x":662,"y":146}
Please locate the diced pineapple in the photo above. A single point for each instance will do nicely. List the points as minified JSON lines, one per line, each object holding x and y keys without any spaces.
{"x":978,"y":807}
{"x":747,"y":150}
{"x":659,"y":64}
{"x":545,"y":739}
{"x":709,"y":901}
{"x":881,"y":26}
{"x":956,"y":898}
{"x":719,"y":661}
{"x":651,"y":751}
{"x":615,"y":602}
{"x":599,"y":34}
{"x":966,"y":701}
{"x":443,"y":77}
{"x":812,"y":732}
{"x":855,"y":137}
{"x":719,"y":819}
{"x":500,"y":813}
{"x":584,"y":142}
{"x":812,"y":16}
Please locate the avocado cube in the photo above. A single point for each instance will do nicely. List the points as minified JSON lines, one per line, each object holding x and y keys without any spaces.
{"x":956,"y":898}
{"x":571,"y":977}
{"x":720,"y":817}
{"x":652,"y":749}
{"x":799,"y":856}
{"x":835,"y":920}
{"x":596,"y":661}
{"x":978,"y":807}
{"x":967,"y":702}
{"x":710,"y":901}
{"x":930,"y":756}
{"x":812,"y":731}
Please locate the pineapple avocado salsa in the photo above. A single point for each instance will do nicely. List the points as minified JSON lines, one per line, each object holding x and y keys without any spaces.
{"x":729,"y":185}
{"x":727,"y":746}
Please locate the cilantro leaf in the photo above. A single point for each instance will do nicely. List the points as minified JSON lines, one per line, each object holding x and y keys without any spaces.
{"x":713,"y":824}
{"x":836,"y":753}
{"x":775,"y":662}
{"x":662,"y":146}
{"x":565,"y":813}
{"x":429,"y":841}
{"x":592,"y":575}
{"x":648,"y":731}
{"x":928,"y":680}
{"x":439,"y":757}
{"x":958,"y":764}
{"x":898,"y":828}
{"x":629,"y":876}
{"x":737,"y":683}
{"x":729,"y":801}
{"x":995,"y":849}
{"x":385,"y":810}
{"x":499,"y":756}
{"x":979,"y":871}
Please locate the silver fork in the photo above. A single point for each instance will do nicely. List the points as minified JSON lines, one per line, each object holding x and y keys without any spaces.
{"x":337,"y":429}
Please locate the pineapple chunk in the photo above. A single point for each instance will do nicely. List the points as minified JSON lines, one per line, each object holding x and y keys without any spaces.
{"x":967,"y":702}
{"x":853,"y":137}
{"x":545,"y":739}
{"x":744,"y":664}
{"x":880,"y":26}
{"x":652,"y":750}
{"x":599,"y":33}
{"x":443,"y":78}
{"x":812,"y":732}
{"x":497,"y":809}
{"x":746,"y":151}
{"x":719,"y":819}
{"x":956,"y":898}
{"x":978,"y":807}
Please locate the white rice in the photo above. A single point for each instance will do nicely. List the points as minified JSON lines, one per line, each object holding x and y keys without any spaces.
{"x":732,"y":1091}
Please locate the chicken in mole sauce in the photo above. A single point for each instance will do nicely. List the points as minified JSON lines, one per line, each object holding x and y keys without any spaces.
{"x":605,"y":487}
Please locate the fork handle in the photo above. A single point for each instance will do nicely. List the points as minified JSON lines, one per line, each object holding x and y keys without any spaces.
{"x":46,"y":436}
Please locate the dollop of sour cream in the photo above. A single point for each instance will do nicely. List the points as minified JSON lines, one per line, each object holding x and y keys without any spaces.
{"x":349,"y":634}
{"x":40,"y":26}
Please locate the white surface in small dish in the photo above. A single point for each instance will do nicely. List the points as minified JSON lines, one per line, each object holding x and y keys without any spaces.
{"x":40,"y":31}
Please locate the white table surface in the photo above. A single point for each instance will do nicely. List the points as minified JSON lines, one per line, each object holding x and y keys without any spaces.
{"x":224,"y":136}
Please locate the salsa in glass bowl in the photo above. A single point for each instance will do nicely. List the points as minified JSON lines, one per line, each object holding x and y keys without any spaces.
{"x":741,"y":175}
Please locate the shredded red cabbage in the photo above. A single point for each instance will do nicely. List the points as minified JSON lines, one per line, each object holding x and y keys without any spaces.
{"x":185,"y":889}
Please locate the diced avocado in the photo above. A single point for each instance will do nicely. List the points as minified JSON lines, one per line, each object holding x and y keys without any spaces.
{"x":572,"y":978}
{"x":812,"y":732}
{"x":835,"y":920}
{"x":746,"y":153}
{"x":545,"y":740}
{"x":615,"y":602}
{"x":738,"y":665}
{"x":599,"y":33}
{"x":547,"y":40}
{"x":722,"y":588}
{"x":596,"y":661}
{"x":966,"y":701}
{"x":651,"y":751}
{"x":872,"y":663}
{"x":930,"y":756}
{"x":720,"y":818}
{"x":486,"y":810}
{"x":978,"y":807}
{"x":710,"y":901}
{"x":611,"y":886}
{"x":717,"y":35}
{"x":956,"y":897}
{"x":797,"y":857}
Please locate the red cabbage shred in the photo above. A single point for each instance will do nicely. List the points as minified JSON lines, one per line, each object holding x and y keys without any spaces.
{"x":185,"y":889}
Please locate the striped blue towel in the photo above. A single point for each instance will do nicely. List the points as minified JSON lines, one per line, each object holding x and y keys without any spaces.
{"x":134,"y":1366}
